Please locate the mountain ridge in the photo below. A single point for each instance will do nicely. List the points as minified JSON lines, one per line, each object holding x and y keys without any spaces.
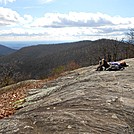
{"x":40,"y":61}
{"x":6,"y":50}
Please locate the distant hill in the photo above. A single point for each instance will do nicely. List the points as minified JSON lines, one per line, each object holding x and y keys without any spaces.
{"x":40,"y":61}
{"x":5,"y":50}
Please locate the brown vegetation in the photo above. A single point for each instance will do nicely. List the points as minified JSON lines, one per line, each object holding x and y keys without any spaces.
{"x":11,"y":95}
{"x":14,"y":94}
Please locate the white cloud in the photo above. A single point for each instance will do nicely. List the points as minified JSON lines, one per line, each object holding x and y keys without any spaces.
{"x":6,"y":1}
{"x":45,"y":1}
{"x":74,"y":19}
{"x":9,"y":17}
{"x":85,"y":25}
{"x":57,"y":26}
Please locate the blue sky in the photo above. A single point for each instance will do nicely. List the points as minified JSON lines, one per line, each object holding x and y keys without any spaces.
{"x":65,"y":20}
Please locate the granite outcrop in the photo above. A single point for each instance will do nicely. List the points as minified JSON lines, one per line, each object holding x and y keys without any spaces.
{"x":83,"y":101}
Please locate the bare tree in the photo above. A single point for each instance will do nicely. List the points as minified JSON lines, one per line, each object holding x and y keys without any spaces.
{"x":116,"y":48}
{"x":130,"y":42}
{"x":130,"y":36}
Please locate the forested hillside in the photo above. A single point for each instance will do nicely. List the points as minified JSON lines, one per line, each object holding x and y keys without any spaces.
{"x":5,"y":50}
{"x":41,"y":61}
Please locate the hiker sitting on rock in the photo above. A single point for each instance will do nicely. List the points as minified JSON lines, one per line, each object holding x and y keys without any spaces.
{"x":110,"y":66}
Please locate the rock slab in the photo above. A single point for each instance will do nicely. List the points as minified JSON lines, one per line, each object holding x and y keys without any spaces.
{"x":83,"y":101}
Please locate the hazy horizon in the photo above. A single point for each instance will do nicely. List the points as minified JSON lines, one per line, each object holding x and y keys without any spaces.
{"x":20,"y":44}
